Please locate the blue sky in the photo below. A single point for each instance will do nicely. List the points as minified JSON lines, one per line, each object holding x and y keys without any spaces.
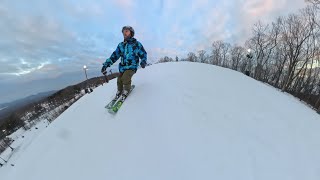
{"x":44,"y":44}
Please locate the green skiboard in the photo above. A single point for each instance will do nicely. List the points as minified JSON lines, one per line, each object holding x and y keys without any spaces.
{"x":117,"y":105}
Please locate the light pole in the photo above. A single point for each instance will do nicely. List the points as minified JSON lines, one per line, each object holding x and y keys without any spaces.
{"x":85,"y":71}
{"x":249,"y":56}
{"x":85,"y":68}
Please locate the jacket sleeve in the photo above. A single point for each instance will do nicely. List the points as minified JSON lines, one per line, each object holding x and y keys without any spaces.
{"x":114,"y":57}
{"x":142,"y":54}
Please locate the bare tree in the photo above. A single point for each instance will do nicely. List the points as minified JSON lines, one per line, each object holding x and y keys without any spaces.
{"x":263,"y":43}
{"x":296,"y":31}
{"x":314,"y":2}
{"x":216,"y":52}
{"x":285,"y":54}
{"x":278,"y":66}
{"x":191,"y":57}
{"x":165,"y":59}
{"x":237,"y":55}
{"x":202,"y":56}
{"x":225,"y":52}
{"x":220,"y":52}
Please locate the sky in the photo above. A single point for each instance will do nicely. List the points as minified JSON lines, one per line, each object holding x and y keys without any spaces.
{"x":44,"y":44}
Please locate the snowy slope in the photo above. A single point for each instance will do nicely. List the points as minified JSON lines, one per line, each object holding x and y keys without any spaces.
{"x":2,"y":108}
{"x":182,"y":121}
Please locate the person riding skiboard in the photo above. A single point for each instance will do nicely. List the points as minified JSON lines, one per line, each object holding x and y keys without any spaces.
{"x":130,"y":50}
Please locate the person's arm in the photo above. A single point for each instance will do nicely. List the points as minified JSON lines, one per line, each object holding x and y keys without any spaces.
{"x":142,"y":55}
{"x":113,"y":58}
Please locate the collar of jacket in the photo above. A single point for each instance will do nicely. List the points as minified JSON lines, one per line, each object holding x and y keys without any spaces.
{"x":130,"y":40}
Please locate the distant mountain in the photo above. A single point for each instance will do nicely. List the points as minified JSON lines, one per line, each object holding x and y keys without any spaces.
{"x":11,"y":91}
{"x":28,"y":104}
{"x":7,"y":108}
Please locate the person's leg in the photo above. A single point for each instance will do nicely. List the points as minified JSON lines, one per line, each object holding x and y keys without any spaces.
{"x":126,"y":79}
{"x":119,"y":83}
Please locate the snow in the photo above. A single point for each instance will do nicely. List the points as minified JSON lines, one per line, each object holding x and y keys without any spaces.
{"x":2,"y":108}
{"x":182,"y":121}
{"x":21,"y":141}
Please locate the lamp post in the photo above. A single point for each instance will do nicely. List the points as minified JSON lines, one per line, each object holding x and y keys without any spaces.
{"x":249,"y":56}
{"x":85,"y":68}
{"x":85,"y":71}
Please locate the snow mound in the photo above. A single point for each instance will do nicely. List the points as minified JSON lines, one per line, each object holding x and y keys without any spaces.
{"x":182,"y":121}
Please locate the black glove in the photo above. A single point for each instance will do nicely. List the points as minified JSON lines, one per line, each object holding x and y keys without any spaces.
{"x":143,"y":64}
{"x":104,"y":70}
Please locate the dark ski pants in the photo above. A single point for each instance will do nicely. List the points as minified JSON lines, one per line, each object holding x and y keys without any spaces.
{"x":124,"y":80}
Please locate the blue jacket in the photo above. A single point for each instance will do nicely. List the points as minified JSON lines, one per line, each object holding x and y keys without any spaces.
{"x":130,"y":51}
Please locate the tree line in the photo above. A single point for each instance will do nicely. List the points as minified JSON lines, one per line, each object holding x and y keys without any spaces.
{"x":284,"y":53}
{"x":47,"y":109}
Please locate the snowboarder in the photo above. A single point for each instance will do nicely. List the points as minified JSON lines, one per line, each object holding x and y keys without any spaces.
{"x":130,"y":50}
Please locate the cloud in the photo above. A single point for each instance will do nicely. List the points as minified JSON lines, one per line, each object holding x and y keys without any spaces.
{"x":28,"y":43}
{"x":250,"y":12}
{"x":47,"y":39}
{"x":157,"y":52}
{"x":126,"y":4}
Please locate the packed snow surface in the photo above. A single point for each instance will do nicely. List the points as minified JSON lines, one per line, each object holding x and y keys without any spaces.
{"x":183,"y":121}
